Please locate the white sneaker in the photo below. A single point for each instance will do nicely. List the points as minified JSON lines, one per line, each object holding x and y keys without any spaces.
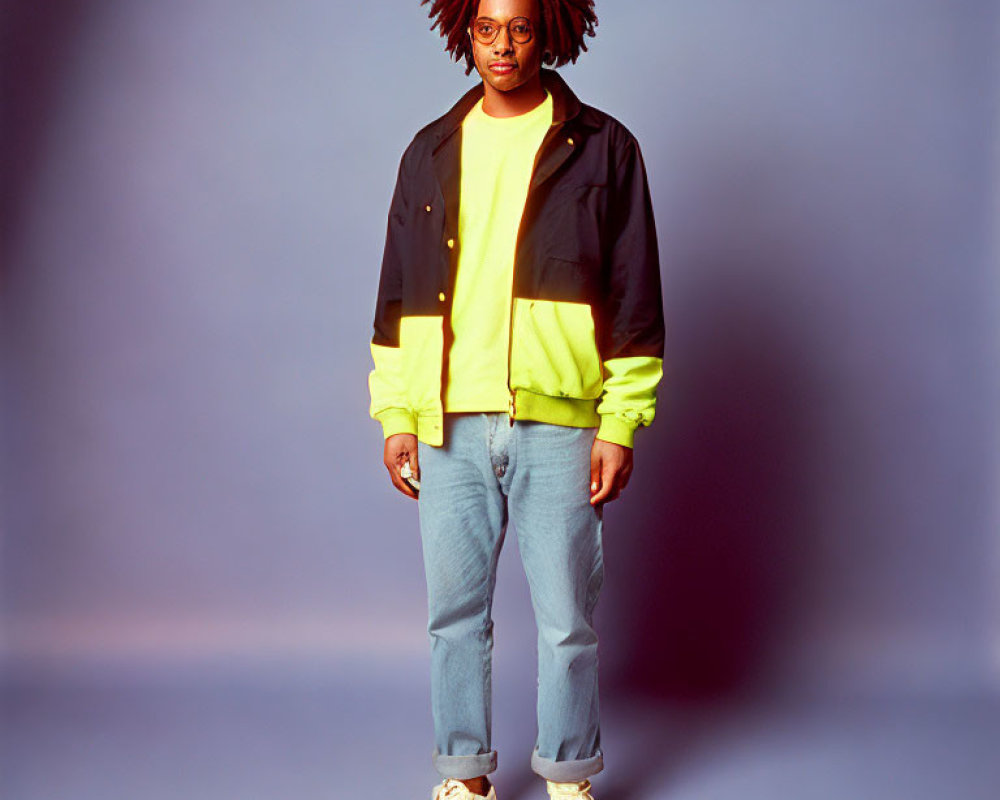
{"x":574,"y":790}
{"x":454,"y":789}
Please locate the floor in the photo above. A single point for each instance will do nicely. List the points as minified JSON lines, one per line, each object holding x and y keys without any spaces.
{"x":342,"y":730}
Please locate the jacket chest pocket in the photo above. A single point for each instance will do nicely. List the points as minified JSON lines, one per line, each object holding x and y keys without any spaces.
{"x":576,"y":280}
{"x":573,"y":222}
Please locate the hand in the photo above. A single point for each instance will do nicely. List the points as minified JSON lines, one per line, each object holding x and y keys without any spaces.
{"x":610,"y":469}
{"x":400,"y":448}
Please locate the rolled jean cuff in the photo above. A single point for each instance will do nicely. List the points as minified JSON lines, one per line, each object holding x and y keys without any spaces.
{"x":464,"y":767}
{"x":562,"y":771}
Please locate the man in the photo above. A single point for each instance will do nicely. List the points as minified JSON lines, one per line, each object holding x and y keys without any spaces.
{"x":517,"y":346}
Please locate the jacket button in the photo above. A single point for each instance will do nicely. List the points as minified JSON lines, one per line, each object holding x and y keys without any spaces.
{"x":427,"y":209}
{"x":441,"y":296}
{"x":451,"y":244}
{"x":569,"y":140}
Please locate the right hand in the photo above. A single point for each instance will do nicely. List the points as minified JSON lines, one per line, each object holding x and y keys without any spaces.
{"x":400,"y":448}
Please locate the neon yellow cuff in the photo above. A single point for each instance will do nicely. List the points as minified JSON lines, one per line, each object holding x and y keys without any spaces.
{"x":396,"y":420}
{"x":616,"y":430}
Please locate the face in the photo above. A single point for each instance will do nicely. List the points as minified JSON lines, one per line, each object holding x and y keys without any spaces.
{"x":525,"y":59}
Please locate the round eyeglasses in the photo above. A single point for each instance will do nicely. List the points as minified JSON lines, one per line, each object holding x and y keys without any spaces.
{"x":486,"y":30}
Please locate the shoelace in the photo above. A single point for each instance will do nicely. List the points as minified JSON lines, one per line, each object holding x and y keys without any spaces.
{"x":454,"y":789}
{"x":577,"y":790}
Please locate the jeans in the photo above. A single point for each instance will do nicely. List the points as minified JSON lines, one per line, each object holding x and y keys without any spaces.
{"x":543,"y":471}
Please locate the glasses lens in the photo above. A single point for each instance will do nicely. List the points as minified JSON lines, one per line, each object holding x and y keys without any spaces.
{"x":486,"y":30}
{"x":520,"y":30}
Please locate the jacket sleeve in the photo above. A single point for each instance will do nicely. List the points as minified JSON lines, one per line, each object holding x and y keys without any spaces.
{"x":633,"y":351}
{"x":385,"y":382}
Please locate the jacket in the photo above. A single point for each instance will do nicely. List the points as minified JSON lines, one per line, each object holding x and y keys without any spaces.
{"x":586,"y":339}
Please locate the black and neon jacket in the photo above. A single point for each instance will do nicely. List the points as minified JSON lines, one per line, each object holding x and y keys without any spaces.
{"x":586,"y":343}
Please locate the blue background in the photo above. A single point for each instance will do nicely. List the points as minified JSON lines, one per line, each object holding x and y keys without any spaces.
{"x":210,"y":589}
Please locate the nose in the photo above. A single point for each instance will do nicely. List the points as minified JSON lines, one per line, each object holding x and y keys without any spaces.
{"x":503,"y":43}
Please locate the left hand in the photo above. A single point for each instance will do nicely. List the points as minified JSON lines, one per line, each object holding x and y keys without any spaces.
{"x":610,"y":470}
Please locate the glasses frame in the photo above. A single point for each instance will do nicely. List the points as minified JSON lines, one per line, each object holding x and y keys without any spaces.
{"x":499,"y":25}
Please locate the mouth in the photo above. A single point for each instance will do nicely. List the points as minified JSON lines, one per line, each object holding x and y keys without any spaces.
{"x":502,"y":68}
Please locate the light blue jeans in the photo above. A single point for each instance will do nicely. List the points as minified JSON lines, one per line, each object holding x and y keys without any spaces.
{"x":544,"y":472}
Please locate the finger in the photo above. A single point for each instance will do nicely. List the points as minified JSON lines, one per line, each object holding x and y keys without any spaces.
{"x":414,"y":464}
{"x":615,"y":493}
{"x":400,"y":484}
{"x":615,"y":487}
{"x":405,"y":488}
{"x":606,"y":484}
{"x":611,"y":478}
{"x":601,"y":496}
{"x":395,"y":459}
{"x":595,"y":473}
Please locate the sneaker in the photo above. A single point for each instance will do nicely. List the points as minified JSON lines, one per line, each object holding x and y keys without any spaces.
{"x":574,"y":790}
{"x":454,"y":789}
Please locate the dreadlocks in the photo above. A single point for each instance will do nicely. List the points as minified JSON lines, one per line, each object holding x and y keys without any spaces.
{"x":564,"y":24}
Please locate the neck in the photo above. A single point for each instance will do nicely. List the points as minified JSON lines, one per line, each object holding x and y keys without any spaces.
{"x":515,"y":102}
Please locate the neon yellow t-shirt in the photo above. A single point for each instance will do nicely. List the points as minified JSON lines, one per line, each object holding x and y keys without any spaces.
{"x":498,"y":154}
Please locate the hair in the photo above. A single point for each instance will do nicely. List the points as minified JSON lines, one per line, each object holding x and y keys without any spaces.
{"x":564,"y":23}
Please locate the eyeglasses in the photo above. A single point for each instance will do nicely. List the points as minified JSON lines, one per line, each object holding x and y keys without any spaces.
{"x":486,"y":30}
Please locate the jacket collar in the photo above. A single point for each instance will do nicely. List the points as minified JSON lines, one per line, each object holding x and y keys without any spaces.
{"x":566,"y":106}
